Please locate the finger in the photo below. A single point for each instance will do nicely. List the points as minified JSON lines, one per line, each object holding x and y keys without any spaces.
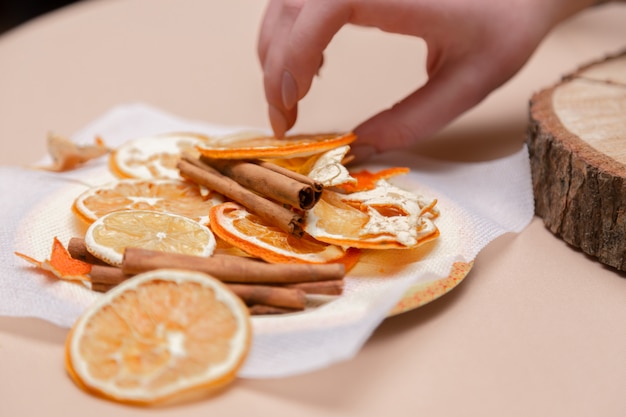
{"x":295,"y":55}
{"x":269,"y":24}
{"x":447,"y":94}
{"x":275,"y":31}
{"x":281,"y":120}
{"x":316,"y":25}
{"x":266,"y":34}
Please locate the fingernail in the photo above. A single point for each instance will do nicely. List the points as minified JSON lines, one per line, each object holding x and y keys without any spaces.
{"x":289,"y":90}
{"x":362,"y":153}
{"x":278,"y":122}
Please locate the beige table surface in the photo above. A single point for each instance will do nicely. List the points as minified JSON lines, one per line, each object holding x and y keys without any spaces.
{"x":536,"y":329}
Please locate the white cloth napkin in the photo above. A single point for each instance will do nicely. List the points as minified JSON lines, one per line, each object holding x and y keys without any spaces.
{"x":478,"y":202}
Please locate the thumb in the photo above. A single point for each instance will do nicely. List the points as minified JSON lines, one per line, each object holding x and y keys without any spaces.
{"x":447,"y":94}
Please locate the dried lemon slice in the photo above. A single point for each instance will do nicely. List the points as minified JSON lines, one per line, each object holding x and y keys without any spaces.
{"x":153,"y":156}
{"x":157,"y":336}
{"x":245,"y":146}
{"x":110,"y":235}
{"x":248,"y":232}
{"x":381,"y":218}
{"x":170,"y":196}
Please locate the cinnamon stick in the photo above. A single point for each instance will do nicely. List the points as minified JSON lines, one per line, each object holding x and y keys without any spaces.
{"x":270,"y":181}
{"x":230,"y":268}
{"x":332,"y":287}
{"x":269,"y":295}
{"x":99,"y":287}
{"x":261,"y":299}
{"x":317,"y":186}
{"x":109,"y":275}
{"x":203,"y":174}
{"x":77,"y":250}
{"x":260,"y":309}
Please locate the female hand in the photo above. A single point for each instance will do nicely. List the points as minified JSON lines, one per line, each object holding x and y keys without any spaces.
{"x":473,"y":48}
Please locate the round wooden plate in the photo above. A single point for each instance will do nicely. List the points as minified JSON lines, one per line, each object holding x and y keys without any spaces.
{"x":577,"y":146}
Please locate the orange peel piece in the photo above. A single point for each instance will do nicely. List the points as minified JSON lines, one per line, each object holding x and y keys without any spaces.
{"x":61,"y":263}
{"x":366,"y":180}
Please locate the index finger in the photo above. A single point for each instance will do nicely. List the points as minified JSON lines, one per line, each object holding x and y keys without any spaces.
{"x":299,"y":54}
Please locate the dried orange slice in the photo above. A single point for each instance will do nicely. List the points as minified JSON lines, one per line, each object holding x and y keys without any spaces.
{"x":111,"y":234}
{"x":245,"y":146}
{"x":159,"y":336}
{"x":153,"y":156}
{"x":170,"y":196}
{"x":385,"y":217}
{"x":248,"y":232}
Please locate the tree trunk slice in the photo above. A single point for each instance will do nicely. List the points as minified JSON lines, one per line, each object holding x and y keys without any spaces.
{"x":577,"y":145}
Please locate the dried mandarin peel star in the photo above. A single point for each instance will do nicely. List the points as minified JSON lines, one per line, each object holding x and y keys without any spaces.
{"x":61,"y":264}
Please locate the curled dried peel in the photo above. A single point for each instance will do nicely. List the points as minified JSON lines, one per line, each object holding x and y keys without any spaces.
{"x":67,"y":155}
{"x":366,"y":180}
{"x":383,"y":217}
{"x":328,"y":168}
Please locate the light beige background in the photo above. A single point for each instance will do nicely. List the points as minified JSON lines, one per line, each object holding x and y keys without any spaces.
{"x":537,"y":328}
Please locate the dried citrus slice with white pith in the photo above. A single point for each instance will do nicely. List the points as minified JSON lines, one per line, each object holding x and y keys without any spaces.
{"x":159,"y":336}
{"x":248,"y":232}
{"x":170,"y":196}
{"x":328,"y":168}
{"x":153,"y":156}
{"x":385,"y":217}
{"x":110,"y":235}
{"x":246,"y":146}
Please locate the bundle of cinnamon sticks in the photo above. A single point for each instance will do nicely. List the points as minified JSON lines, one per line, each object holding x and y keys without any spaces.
{"x":273,"y":193}
{"x":265,"y":288}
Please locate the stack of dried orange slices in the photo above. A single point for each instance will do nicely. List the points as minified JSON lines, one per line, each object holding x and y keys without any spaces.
{"x":356,"y":210}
